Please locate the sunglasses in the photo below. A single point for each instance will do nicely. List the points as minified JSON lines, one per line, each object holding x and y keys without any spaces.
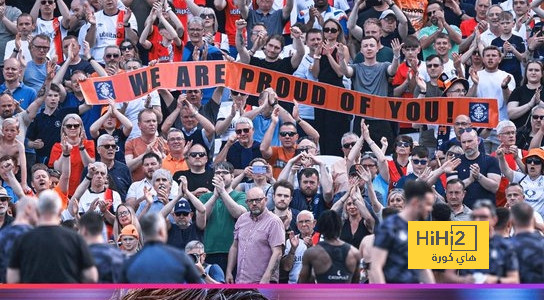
{"x":124,"y":213}
{"x":209,"y":16}
{"x":430,"y":13}
{"x":537,"y":117}
{"x":4,"y":199}
{"x":235,"y":93}
{"x":43,"y":48}
{"x":287,"y":133}
{"x":461,"y":124}
{"x":124,"y":48}
{"x":348,"y":145}
{"x":430,"y":66}
{"x":197,"y":154}
{"x":456,"y":155}
{"x":416,"y":161}
{"x":463,"y":130}
{"x":533,"y":160}
{"x":72,"y":126}
{"x":112,"y":55}
{"x":110,"y":146}
{"x":255,"y":200}
{"x":403,"y":144}
{"x":48,"y":2}
{"x":244,"y":130}
{"x":331,"y":30}
{"x":185,"y":214}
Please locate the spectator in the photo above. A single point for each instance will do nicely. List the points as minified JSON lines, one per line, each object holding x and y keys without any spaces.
{"x":468,"y":26}
{"x":54,"y":27}
{"x":199,"y":172}
{"x":494,"y":29}
{"x":437,"y":24}
{"x":455,"y":195}
{"x":512,"y":45}
{"x":175,"y":265}
{"x":125,"y":216}
{"x":319,"y":14}
{"x":21,"y":93}
{"x":525,"y":97}
{"x":72,"y":61}
{"x":274,"y":20}
{"x":240,"y":148}
{"x":63,"y":257}
{"x":372,"y":27}
{"x":297,"y":244}
{"x":177,"y":151}
{"x":163,"y":192}
{"x":223,"y":207}
{"x":19,"y":47}
{"x":429,"y":88}
{"x":108,"y":260}
{"x":37,"y":70}
{"x":211,"y":273}
{"x":258,"y":174}
{"x":130,"y":240}
{"x":26,"y":219}
{"x":5,"y":217}
{"x":179,"y":217}
{"x":80,"y":150}
{"x":532,"y":130}
{"x":256,"y":256}
{"x":8,"y":26}
{"x":332,"y":261}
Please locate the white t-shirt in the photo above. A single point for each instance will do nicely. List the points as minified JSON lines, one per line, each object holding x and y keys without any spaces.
{"x":533,"y":190}
{"x":46,"y":27}
{"x":297,"y":266}
{"x":224,"y":112}
{"x":88,"y":197}
{"x":106,"y":33}
{"x":136,"y":189}
{"x":24,"y":48}
{"x":489,"y":86}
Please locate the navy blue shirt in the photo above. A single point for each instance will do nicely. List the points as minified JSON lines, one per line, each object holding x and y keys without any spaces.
{"x":179,"y":238}
{"x":22,"y":94}
{"x":47,"y":128}
{"x":240,"y":156}
{"x":120,"y":140}
{"x":502,"y":258}
{"x":529,"y":248}
{"x":475,"y":190}
{"x":160,"y":263}
{"x":109,"y":262}
{"x":509,"y":62}
{"x":392,"y":235}
{"x":316,"y":205}
{"x":8,"y":235}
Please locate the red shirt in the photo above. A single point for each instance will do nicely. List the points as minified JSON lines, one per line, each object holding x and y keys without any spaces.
{"x":232,"y":14}
{"x":182,"y":11}
{"x":500,"y":196}
{"x":467,"y":27}
{"x":160,"y":52}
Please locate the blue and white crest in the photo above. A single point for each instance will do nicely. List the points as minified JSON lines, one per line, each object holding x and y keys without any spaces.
{"x":479,"y":112}
{"x":104,"y":90}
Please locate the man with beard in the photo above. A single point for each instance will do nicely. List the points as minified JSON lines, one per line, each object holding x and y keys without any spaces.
{"x":240,"y":148}
{"x":283,"y":194}
{"x":332,"y":260}
{"x":307,"y":196}
{"x":507,"y":136}
{"x":390,"y":251}
{"x":181,"y":229}
{"x":223,"y":207}
{"x":26,"y":219}
{"x":437,"y":24}
{"x":5,"y":218}
{"x":258,"y":242}
{"x":201,"y":176}
{"x":480,"y":172}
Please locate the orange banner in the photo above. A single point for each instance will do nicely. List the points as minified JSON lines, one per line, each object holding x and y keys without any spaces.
{"x":252,"y":80}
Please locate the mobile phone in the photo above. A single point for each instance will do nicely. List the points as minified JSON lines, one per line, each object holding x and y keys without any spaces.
{"x":258,"y":169}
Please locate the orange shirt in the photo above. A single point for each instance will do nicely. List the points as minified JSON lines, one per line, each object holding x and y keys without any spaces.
{"x":59,"y":192}
{"x":76,"y":165}
{"x":174,"y":165}
{"x":136,"y":147}
{"x":279,"y":159}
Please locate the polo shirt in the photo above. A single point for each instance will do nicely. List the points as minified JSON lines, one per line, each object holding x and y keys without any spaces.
{"x":22,"y":94}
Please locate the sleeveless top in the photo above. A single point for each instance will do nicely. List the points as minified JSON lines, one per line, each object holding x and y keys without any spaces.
{"x":327,"y":73}
{"x":338,"y":272}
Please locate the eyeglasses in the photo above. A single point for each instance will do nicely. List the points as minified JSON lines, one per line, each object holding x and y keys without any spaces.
{"x":185,"y":214}
{"x":255,"y":200}
{"x":513,"y":132}
{"x":72,"y":126}
{"x":368,"y":166}
{"x":113,"y":146}
{"x":235,"y":93}
{"x":433,"y":66}
{"x":207,"y":16}
{"x":403,"y":144}
{"x":244,"y":130}
{"x":125,"y":48}
{"x":537,"y":117}
{"x":219,"y":172}
{"x":304,"y":221}
{"x":533,"y":160}
{"x":460,"y":91}
{"x":197,"y":154}
{"x":456,"y":155}
{"x":422,"y":162}
{"x":331,"y":30}
{"x":461,"y":124}
{"x":42,"y":48}
{"x":4,"y":199}
{"x":463,"y":130}
{"x":178,"y":139}
{"x":126,"y":240}
{"x":194,"y":29}
{"x":348,"y":145}
{"x":110,"y":55}
{"x":124,"y":213}
{"x":48,"y":2}
{"x":287,"y":133}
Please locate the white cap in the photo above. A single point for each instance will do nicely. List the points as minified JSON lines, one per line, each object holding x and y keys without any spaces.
{"x":386,"y":13}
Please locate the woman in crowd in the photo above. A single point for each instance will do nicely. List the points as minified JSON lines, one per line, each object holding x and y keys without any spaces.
{"x":125,"y":216}
{"x":532,"y":130}
{"x":526,"y":96}
{"x":259,"y":173}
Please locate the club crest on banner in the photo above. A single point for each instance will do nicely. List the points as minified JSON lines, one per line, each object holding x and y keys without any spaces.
{"x":104,"y":90}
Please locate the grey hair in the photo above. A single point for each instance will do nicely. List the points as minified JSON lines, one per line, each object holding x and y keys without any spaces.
{"x":151,"y":224}
{"x":194,"y":245}
{"x":160,"y":173}
{"x":103,"y":138}
{"x":305,"y":212}
{"x":197,"y":20}
{"x":346,"y":135}
{"x":243,"y":120}
{"x":102,"y":165}
{"x":49,"y":203}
